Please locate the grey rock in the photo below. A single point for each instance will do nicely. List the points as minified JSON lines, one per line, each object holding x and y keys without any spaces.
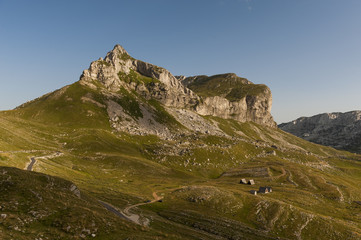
{"x":75,"y":190}
{"x":169,"y":91}
{"x":249,"y":107}
{"x":338,"y":130}
{"x":172,"y":92}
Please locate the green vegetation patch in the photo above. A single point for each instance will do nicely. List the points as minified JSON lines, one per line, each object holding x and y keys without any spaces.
{"x":245,"y":90}
{"x":129,"y":103}
{"x":209,"y":196}
{"x":162,"y":116}
{"x":137,"y":78}
{"x":229,"y":86}
{"x":72,"y":106}
{"x":125,"y":57}
{"x":36,"y":205}
{"x":102,"y":62}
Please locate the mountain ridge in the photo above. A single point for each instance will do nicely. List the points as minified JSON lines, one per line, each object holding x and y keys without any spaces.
{"x":141,"y":98}
{"x":175,"y":93}
{"x":338,"y":130}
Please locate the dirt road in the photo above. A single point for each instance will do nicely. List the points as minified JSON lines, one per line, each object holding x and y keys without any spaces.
{"x":31,"y":164}
{"x":137,"y":218}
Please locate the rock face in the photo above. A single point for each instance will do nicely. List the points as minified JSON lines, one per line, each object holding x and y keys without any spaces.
{"x":338,"y":130}
{"x":239,"y":99}
{"x":229,"y":96}
{"x":117,"y":67}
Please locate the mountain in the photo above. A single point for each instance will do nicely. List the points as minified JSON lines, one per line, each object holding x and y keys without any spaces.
{"x":134,"y":152}
{"x":338,"y":130}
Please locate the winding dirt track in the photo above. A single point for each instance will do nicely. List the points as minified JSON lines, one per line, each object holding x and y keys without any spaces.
{"x":33,"y":159}
{"x":137,"y":218}
{"x":114,"y":210}
{"x":125,"y":214}
{"x":31,"y":164}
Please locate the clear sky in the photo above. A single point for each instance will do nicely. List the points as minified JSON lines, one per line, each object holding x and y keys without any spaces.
{"x":307,"y":51}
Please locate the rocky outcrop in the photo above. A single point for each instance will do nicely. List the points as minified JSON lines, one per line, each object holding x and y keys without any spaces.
{"x":338,"y":130}
{"x":118,"y":66}
{"x":229,"y":96}
{"x":119,"y":70}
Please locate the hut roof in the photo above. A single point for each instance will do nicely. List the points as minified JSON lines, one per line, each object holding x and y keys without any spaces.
{"x":243,"y":181}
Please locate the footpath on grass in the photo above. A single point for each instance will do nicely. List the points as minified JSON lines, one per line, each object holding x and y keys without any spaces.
{"x":125,"y":214}
{"x":30,"y":166}
{"x":133,"y":217}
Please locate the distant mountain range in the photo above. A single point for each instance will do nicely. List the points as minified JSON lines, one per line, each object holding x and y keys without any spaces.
{"x":338,"y":130}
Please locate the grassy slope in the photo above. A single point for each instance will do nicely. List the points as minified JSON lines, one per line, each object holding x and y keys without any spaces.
{"x":229,"y":86}
{"x":66,"y":107}
{"x":40,"y":206}
{"x":111,"y":167}
{"x":313,"y":185}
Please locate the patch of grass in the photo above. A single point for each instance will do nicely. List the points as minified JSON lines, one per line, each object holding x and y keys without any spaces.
{"x":129,"y":103}
{"x":162,"y":116}
{"x":137,"y":78}
{"x":125,"y":57}
{"x":46,"y":205}
{"x":245,"y":90}
{"x":229,"y":86}
{"x":66,"y":107}
{"x":104,"y":63}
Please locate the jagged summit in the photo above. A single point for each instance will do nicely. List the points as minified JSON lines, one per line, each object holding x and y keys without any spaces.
{"x":222,"y":95}
{"x":120,"y":70}
{"x":118,"y":48}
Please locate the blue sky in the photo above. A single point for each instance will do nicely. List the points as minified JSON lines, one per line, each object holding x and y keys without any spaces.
{"x":307,"y":51}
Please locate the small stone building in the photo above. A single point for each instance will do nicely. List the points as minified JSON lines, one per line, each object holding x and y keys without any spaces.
{"x":243,"y":181}
{"x":265,"y":190}
{"x":253,"y":192}
{"x":251,"y":182}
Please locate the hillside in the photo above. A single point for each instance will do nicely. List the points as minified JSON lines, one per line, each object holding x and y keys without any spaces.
{"x":131,"y":135}
{"x":41,"y":206}
{"x":338,"y":130}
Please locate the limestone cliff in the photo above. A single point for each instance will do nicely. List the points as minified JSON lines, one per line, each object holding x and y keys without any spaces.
{"x":239,"y":99}
{"x":119,"y":69}
{"x":230,"y":96}
{"x":338,"y":130}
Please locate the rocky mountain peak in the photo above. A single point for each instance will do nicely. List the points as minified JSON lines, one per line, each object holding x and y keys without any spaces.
{"x":119,"y":49}
{"x":120,"y":70}
{"x":222,"y":95}
{"x":118,"y":53}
